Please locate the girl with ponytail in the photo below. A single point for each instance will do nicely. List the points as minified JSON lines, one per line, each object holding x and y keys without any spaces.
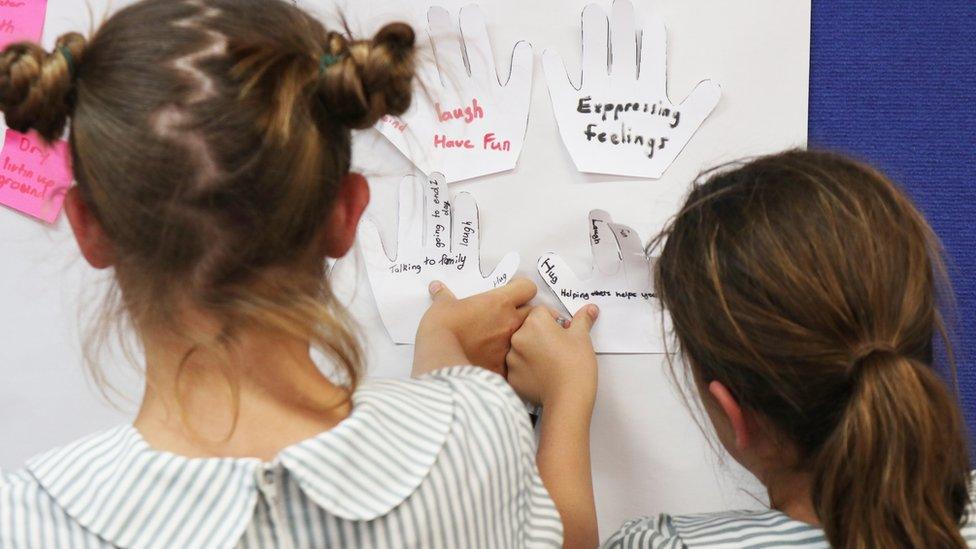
{"x":804,"y":291}
{"x":210,"y":142}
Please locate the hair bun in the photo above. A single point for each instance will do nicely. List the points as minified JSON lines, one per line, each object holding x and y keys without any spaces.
{"x":398,"y":38}
{"x":373,"y":78}
{"x":37,"y":90}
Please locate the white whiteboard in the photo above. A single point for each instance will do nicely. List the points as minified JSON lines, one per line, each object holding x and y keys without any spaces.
{"x":648,"y":454}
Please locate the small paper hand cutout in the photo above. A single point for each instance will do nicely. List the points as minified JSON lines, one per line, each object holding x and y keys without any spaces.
{"x":437,"y":239}
{"x":620,"y":284}
{"x":463,"y":121}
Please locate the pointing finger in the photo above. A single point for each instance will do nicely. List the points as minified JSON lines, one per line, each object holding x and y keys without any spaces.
{"x":519,"y":291}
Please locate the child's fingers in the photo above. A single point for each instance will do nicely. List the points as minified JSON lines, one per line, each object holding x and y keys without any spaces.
{"x":584,"y":319}
{"x":440,"y":292}
{"x":543,"y":315}
{"x":556,"y":315}
{"x":519,"y":291}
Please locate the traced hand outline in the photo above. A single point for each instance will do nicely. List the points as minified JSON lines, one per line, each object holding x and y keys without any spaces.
{"x":620,"y":284}
{"x":485,"y":123}
{"x":626,"y":68}
{"x":437,"y":239}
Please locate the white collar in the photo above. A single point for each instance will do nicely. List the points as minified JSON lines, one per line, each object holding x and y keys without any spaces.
{"x":100,"y":480}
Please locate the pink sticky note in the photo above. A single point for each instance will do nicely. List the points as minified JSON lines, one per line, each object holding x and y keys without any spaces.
{"x":21,"y":20}
{"x":33,"y":176}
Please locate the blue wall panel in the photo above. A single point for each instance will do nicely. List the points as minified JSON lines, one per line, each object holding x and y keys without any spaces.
{"x":893,"y":82}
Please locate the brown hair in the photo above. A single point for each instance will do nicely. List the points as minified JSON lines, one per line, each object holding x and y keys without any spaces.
{"x":808,"y":285}
{"x":209,"y":139}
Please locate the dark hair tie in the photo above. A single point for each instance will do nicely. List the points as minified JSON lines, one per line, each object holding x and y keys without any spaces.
{"x":69,"y":59}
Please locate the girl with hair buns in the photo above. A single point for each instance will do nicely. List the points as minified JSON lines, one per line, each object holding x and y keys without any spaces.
{"x":210,"y":141}
{"x":804,"y":291}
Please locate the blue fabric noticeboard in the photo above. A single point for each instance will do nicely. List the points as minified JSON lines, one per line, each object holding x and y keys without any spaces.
{"x":893,"y":82}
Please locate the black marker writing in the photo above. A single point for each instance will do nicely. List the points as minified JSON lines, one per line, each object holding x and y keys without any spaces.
{"x":614,"y":110}
{"x":550,"y":271}
{"x":625,"y":137}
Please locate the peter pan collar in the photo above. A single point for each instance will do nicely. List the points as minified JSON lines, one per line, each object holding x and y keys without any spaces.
{"x":116,"y":486}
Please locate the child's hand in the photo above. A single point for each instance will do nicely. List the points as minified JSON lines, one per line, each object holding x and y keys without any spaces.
{"x":476,"y":330}
{"x":548,"y":362}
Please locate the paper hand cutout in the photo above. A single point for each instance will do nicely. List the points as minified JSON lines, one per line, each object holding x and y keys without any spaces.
{"x":618,"y":119}
{"x":437,"y":239}
{"x":463,"y":122}
{"x":621,"y":285}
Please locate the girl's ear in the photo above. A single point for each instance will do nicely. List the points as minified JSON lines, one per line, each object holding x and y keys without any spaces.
{"x":95,"y":246}
{"x":733,"y":413}
{"x":348,"y":208}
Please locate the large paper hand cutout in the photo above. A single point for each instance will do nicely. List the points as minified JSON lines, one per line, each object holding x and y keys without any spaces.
{"x":621,"y":285}
{"x":437,"y":239}
{"x":463,"y":121}
{"x":618,"y":119}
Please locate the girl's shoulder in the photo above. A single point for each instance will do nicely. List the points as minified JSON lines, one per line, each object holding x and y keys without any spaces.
{"x":14,"y":481}
{"x":30,"y":517}
{"x":477,"y":397}
{"x":741,"y":529}
{"x":407,"y":436}
{"x":450,"y":405}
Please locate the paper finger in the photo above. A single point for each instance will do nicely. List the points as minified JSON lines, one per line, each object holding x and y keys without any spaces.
{"x":653,"y":62}
{"x":437,"y":215}
{"x":477,"y":45}
{"x":701,"y":102}
{"x":505,"y":270}
{"x":623,"y":45}
{"x":410,"y":220}
{"x":465,"y":224}
{"x":370,"y":242}
{"x":446,"y":40}
{"x":596,"y":45}
{"x":558,"y":276}
{"x":632,"y":252}
{"x":520,"y":75}
{"x":603,"y":243}
{"x":562,"y":90}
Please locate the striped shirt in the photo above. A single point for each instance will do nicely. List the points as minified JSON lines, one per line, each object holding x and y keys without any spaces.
{"x":733,"y":530}
{"x":443,"y":462}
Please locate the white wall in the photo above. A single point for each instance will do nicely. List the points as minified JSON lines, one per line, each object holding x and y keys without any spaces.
{"x":649,"y":455}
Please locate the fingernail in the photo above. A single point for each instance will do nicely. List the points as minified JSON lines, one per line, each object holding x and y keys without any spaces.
{"x":435,"y":287}
{"x":594,"y":311}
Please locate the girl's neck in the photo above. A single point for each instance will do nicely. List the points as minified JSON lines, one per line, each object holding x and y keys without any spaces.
{"x":790,"y":492}
{"x":253,"y":398}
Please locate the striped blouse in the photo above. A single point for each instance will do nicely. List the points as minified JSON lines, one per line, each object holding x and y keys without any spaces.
{"x":733,"y":530}
{"x":443,"y":462}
